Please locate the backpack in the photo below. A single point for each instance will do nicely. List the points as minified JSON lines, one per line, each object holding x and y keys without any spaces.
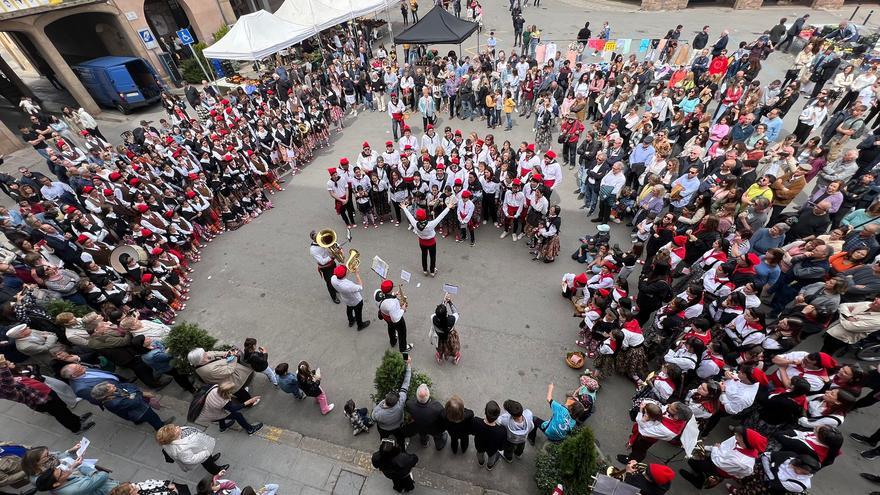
{"x":197,"y":405}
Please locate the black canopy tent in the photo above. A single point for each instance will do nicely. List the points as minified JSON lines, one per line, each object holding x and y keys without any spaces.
{"x":437,"y":27}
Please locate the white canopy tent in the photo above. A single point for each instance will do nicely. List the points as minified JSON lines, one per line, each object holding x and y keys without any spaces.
{"x":323,"y":14}
{"x":258,"y":35}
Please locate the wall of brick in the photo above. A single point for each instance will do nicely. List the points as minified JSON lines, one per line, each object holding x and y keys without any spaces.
{"x":665,"y":4}
{"x":749,"y":4}
{"x":827,"y":4}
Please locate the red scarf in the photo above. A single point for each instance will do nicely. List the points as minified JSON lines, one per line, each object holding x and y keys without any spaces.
{"x":633,"y":326}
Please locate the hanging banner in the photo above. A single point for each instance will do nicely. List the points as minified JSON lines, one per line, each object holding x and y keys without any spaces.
{"x":644,"y":44}
{"x":594,"y":43}
{"x":623,"y":45}
{"x":610,"y":46}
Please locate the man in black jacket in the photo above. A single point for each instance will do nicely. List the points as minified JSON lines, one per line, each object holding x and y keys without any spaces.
{"x":427,"y":418}
{"x":701,"y":39}
{"x":396,"y":465}
{"x":655,"y":480}
{"x":721,"y":44}
{"x":792,"y":32}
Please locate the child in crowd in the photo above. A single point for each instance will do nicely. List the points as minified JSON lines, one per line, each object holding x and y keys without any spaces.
{"x":287,"y":381}
{"x":365,"y":206}
{"x":359,"y":418}
{"x":258,"y":359}
{"x":624,"y":206}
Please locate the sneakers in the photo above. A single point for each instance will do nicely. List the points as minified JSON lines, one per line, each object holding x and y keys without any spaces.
{"x":409,"y":347}
{"x":365,"y":325}
{"x":86,"y":427}
{"x":855,"y":436}
{"x":329,"y":408}
{"x":457,"y":358}
{"x":504,"y":234}
{"x":517,"y":237}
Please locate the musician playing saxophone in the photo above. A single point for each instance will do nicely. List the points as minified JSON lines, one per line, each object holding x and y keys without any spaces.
{"x":654,"y":480}
{"x":391,"y":309}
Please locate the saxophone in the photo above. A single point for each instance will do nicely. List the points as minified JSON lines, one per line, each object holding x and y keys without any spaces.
{"x":400,"y":295}
{"x":620,"y":473}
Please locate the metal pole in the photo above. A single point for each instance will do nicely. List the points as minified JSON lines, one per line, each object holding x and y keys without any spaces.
{"x":856,"y":11}
{"x":199,"y":60}
{"x":869,"y":16}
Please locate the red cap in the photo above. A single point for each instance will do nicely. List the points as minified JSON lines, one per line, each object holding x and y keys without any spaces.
{"x":407,"y":147}
{"x":604,"y":292}
{"x":340,"y":271}
{"x":331,"y":170}
{"x":755,"y":440}
{"x":193,"y":176}
{"x":753,"y":259}
{"x":177,"y":153}
{"x":466,"y":194}
{"x":229,"y":147}
{"x":224,"y":102}
{"x":827,"y":361}
{"x":147,"y":278}
{"x":190,"y":194}
{"x":212,"y":112}
{"x":537,"y":177}
{"x":270,"y":92}
{"x":82,"y":238}
{"x":157,"y":251}
{"x":531,"y":148}
{"x":758,"y":376}
{"x":69,"y":209}
{"x":169,"y":140}
{"x":108,"y":192}
{"x":440,"y":166}
{"x":480,"y":142}
{"x":609,"y":265}
{"x":88,"y":189}
{"x":218,"y":118}
{"x":142,"y":208}
{"x":84,"y":132}
{"x":250,"y":152}
{"x":389,"y":143}
{"x":135,"y":167}
{"x":228,"y":109}
{"x":227,"y":157}
{"x":134,"y":181}
{"x":146,"y":232}
{"x":456,"y":160}
{"x":59,"y":143}
{"x":550,"y":154}
{"x":581,"y":279}
{"x":129,"y":154}
{"x":458,"y":132}
{"x":421,"y":215}
{"x":115,"y":175}
{"x":215,"y":137}
{"x":406,"y":128}
{"x":169,"y":214}
{"x":517,"y":182}
{"x":661,"y":474}
{"x":430,"y":126}
{"x":457,"y":182}
{"x":343,"y":161}
{"x":365,"y":145}
{"x":386,"y":286}
{"x":680,"y":240}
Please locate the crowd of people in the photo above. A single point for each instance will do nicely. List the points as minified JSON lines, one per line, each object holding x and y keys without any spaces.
{"x":683,"y":144}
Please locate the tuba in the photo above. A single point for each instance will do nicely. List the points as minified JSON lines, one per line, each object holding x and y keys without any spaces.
{"x":620,"y":473}
{"x":327,"y":240}
{"x":354,"y":260}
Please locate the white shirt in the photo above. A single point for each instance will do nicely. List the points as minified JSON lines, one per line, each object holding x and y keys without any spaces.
{"x":338,"y":189}
{"x":321,"y":255}
{"x":391,"y":307}
{"x":349,"y":292}
{"x":615,"y":181}
{"x":730,"y":460}
{"x":367,"y":163}
{"x":432,"y":143}
{"x":737,"y":396}
{"x":787,"y":475}
{"x":408,"y":140}
{"x":464,"y":211}
{"x":553,"y":171}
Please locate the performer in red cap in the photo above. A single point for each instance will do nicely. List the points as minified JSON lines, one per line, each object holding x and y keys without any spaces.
{"x":396,"y":110}
{"x":431,"y":141}
{"x":655,"y":480}
{"x":338,"y":189}
{"x":512,"y":207}
{"x":391,"y":309}
{"x":326,"y":264}
{"x":351,"y":294}
{"x":407,"y":140}
{"x":732,"y":458}
{"x":551,"y":170}
{"x":465,"y":214}
{"x":366,"y":160}
{"x":427,"y":234}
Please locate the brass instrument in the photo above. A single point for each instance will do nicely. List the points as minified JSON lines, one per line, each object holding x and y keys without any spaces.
{"x":303,"y":128}
{"x":400,"y":295}
{"x":699,"y":452}
{"x":327,"y":239}
{"x":354,"y":260}
{"x":620,"y":473}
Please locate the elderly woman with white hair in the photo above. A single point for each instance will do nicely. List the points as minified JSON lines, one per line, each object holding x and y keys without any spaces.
{"x":128,"y":402}
{"x":216,"y":367}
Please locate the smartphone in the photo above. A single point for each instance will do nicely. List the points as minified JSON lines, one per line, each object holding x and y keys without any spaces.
{"x":405,"y":355}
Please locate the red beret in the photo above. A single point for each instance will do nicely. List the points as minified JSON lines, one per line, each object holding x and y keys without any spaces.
{"x":407,"y":147}
{"x":157,"y":251}
{"x":827,"y":361}
{"x":457,"y":182}
{"x":135,"y":167}
{"x":331,"y":170}
{"x":250,"y":152}
{"x":177,"y":153}
{"x":440,"y":166}
{"x":421,"y":215}
{"x":88,"y":189}
{"x":129,"y":154}
{"x":84,"y":132}
{"x":550,"y":154}
{"x":227,"y":157}
{"x":531,"y":148}
{"x":212,"y":112}
{"x":365,"y":145}
{"x":340,"y":271}
{"x":406,"y":128}
{"x":386,"y":286}
{"x":228,"y":110}
{"x":343,"y":161}
{"x":69,"y":209}
{"x":134,"y":181}
{"x":81,"y":238}
{"x":147,"y":278}
{"x":142,"y":208}
{"x":537,"y":177}
{"x":480,"y":142}
{"x":190,"y":194}
{"x":753,"y":259}
{"x":455,"y":160}
{"x":108,"y":192}
{"x":466,"y":194}
{"x":224,"y":101}
{"x":429,"y":127}
{"x":270,"y":92}
{"x":146,"y":232}
{"x":458,"y":132}
{"x":581,"y":279}
{"x":389,"y":143}
{"x":169,"y":140}
{"x":229,"y":147}
{"x":193,"y":176}
{"x":661,"y":474}
{"x":517,"y":182}
{"x":408,"y":179}
{"x":115,"y":175}
{"x":169,"y":214}
{"x":755,"y":440}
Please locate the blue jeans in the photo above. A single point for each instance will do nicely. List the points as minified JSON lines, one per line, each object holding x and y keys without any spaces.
{"x":509,"y":120}
{"x":591,"y":196}
{"x":467,"y":110}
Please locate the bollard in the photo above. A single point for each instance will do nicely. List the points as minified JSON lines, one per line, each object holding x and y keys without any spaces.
{"x":856,"y":11}
{"x":869,"y":16}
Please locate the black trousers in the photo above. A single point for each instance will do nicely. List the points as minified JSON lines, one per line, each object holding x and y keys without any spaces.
{"x":569,"y":152}
{"x":210,"y":465}
{"x":640,"y":448}
{"x":459,"y":442}
{"x":404,"y":484}
{"x":347,"y":213}
{"x":466,"y":231}
{"x":144,"y":373}
{"x":56,"y":408}
{"x":327,"y":273}
{"x":355,"y":313}
{"x":868,"y":400}
{"x":513,"y":448}
{"x":429,"y":253}
{"x":605,"y":209}
{"x":848,"y":98}
{"x":398,"y":435}
{"x":703,"y":468}
{"x":490,"y":209}
{"x":397,"y":334}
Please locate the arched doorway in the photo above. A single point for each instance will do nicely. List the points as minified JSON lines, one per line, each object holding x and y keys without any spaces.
{"x":165,"y":17}
{"x":82,"y":37}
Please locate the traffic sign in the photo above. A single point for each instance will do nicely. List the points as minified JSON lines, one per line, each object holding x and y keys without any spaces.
{"x":185,"y":37}
{"x":148,"y":38}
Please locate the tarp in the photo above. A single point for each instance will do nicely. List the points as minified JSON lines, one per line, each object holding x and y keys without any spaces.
{"x":437,"y":27}
{"x":324,"y":14}
{"x":258,"y":35}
